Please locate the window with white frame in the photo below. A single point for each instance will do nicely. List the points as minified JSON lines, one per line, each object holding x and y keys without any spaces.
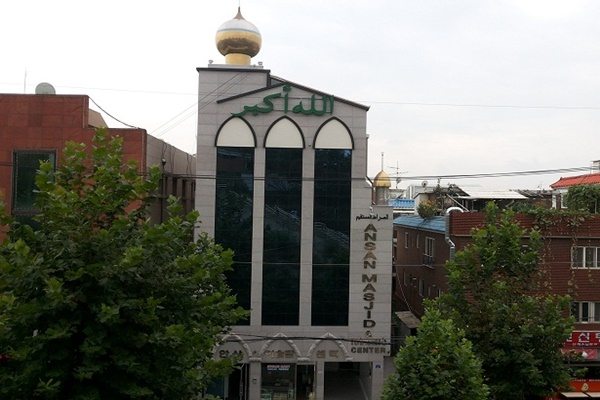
{"x":585,"y":311}
{"x":428,"y":253}
{"x":421,"y":287}
{"x":406,"y":239}
{"x":418,"y":239}
{"x":429,"y":246}
{"x":584,"y":257}
{"x":563,"y":200}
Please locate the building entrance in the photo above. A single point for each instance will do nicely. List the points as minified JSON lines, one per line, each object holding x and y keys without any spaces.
{"x":305,"y":382}
{"x":343,"y":380}
{"x":232,"y":387}
{"x":238,"y":383}
{"x":287,"y":382}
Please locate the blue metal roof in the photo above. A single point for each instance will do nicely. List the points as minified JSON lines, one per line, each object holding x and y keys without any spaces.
{"x":434,"y":224}
{"x":408,"y":204}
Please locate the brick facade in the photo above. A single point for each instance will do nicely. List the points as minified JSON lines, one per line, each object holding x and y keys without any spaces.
{"x":47,"y":122}
{"x":559,"y":237}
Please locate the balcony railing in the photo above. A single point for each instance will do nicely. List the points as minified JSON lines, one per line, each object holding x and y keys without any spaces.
{"x":428,"y":260}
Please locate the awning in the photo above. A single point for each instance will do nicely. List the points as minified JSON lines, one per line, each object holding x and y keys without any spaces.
{"x":492,"y":195}
{"x":409,"y":319}
{"x":580,"y":395}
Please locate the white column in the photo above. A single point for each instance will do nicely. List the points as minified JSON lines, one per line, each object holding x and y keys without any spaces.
{"x":319,"y":380}
{"x":255,"y":381}
{"x":377,"y":379}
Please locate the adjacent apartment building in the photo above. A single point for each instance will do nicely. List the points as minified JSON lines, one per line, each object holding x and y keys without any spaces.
{"x":570,"y":260}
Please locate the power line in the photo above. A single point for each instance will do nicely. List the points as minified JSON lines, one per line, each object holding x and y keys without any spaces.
{"x":474,"y":105}
{"x":390,"y":102}
{"x":110,"y":115}
{"x":415,"y":177}
{"x":260,"y":338}
{"x":206,"y":95}
{"x":495,"y":174}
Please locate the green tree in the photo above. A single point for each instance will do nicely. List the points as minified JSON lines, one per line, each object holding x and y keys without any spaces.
{"x":98,"y":303}
{"x":436,"y":364}
{"x":494,"y":295}
{"x":427,"y":209}
{"x":584,"y":198}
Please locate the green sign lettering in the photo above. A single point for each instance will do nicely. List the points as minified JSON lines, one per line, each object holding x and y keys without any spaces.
{"x":318,"y":107}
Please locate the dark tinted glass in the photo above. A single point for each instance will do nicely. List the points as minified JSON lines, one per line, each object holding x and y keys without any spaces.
{"x":281,"y":294}
{"x":26,"y":165}
{"x":331,"y":236}
{"x":233,"y":220}
{"x":281,"y":252}
{"x":330,"y":295}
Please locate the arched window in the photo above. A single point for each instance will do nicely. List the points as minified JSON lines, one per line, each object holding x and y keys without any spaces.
{"x":284,"y":133}
{"x":235,"y":132}
{"x":333,"y":134}
{"x":283,"y":210}
{"x":331,"y":225}
{"x":233,"y":204}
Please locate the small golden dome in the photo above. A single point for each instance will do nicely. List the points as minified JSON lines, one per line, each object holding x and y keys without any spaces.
{"x":382,"y":180}
{"x":238,"y":40}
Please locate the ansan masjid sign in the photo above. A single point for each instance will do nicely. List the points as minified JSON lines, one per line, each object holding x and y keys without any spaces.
{"x":369,"y":276}
{"x":318,"y":106}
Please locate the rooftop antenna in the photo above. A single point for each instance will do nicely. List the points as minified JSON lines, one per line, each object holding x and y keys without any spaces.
{"x":25,"y":82}
{"x":382,"y":160}
{"x":398,"y":172}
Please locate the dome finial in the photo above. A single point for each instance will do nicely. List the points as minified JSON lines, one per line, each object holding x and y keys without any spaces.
{"x":238,"y":40}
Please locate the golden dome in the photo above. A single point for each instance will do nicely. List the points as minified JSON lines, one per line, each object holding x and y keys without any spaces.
{"x":238,"y":40}
{"x":382,"y":180}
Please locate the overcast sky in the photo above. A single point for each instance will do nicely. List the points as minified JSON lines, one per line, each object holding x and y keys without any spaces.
{"x":455,"y":87}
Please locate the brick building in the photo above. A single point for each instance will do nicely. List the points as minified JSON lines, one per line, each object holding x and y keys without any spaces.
{"x":570,"y":260}
{"x":36,"y":127}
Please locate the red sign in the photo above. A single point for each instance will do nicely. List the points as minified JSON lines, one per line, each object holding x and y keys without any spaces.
{"x":585,"y":385}
{"x":579,"y":386}
{"x":583,"y":339}
{"x":585,"y":353}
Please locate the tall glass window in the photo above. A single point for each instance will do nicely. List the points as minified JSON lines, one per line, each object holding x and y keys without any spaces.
{"x":331,"y":237}
{"x":26,"y":163}
{"x":233,"y":219}
{"x":281,"y":252}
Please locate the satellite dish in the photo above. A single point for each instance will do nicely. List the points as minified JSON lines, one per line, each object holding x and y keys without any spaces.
{"x":424,"y":184}
{"x":45,"y":88}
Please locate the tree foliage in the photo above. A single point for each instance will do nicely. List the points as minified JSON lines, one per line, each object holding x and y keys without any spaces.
{"x":427,"y":209}
{"x":437,"y":364}
{"x":584,"y":198}
{"x":515,"y":329}
{"x":98,"y":303}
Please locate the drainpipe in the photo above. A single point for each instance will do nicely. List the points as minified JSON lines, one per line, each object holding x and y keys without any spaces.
{"x":447,"y":235}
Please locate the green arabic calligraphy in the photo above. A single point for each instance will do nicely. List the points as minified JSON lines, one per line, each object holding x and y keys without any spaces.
{"x":326,"y":105}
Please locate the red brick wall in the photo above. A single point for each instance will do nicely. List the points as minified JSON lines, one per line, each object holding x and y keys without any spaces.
{"x":47,"y":122}
{"x":409,"y":264}
{"x":559,"y":237}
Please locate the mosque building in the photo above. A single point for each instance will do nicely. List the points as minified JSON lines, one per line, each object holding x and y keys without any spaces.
{"x":281,"y":180}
